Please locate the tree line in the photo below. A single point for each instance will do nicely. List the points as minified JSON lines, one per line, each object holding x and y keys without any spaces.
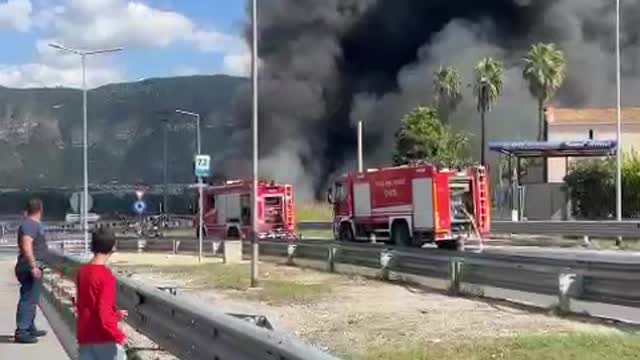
{"x":425,"y":133}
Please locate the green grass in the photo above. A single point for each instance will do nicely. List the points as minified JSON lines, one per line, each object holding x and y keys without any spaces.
{"x":274,"y":288}
{"x":547,"y":347}
{"x":314,"y":212}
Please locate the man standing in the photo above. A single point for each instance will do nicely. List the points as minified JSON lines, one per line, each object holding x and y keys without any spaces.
{"x":33,"y":247}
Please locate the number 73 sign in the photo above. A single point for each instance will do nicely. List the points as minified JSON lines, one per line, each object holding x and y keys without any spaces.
{"x":202,"y":165}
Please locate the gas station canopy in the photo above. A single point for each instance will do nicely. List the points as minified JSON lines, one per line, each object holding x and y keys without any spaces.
{"x":548,"y":149}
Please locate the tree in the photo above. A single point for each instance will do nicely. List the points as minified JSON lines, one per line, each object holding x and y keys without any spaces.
{"x":447,"y":86}
{"x":488,"y":86}
{"x":545,"y":70}
{"x":423,"y":138}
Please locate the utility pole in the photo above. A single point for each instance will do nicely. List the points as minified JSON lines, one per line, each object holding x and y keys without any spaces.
{"x":165,"y":170}
{"x":254,"y":90}
{"x":360,"y":147}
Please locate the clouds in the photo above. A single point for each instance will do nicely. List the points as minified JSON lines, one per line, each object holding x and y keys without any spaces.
{"x":94,"y":24}
{"x":15,"y":15}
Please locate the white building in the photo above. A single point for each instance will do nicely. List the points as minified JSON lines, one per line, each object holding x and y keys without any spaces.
{"x":565,"y":124}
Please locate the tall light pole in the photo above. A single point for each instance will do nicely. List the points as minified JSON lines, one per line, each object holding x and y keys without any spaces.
{"x":360,"y":148}
{"x":196,"y":116}
{"x":254,"y":90}
{"x":84,"y":216}
{"x":618,"y":120}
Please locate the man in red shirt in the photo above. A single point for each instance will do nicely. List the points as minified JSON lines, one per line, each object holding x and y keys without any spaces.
{"x":99,"y":337}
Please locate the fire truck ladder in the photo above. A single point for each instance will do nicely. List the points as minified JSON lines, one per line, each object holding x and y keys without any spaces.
{"x":483,"y":198}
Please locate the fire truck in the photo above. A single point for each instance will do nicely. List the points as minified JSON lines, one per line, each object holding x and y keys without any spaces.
{"x":412,"y":205}
{"x":227,"y":211}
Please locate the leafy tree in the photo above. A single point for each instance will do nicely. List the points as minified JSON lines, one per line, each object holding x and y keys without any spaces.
{"x":447,"y":86}
{"x":545,"y":70}
{"x":423,"y":138}
{"x":488,"y":87}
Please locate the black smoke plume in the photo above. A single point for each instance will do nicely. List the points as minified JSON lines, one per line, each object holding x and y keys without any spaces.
{"x":326,"y":64}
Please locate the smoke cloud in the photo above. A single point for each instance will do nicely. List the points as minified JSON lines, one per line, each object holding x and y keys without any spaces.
{"x":327,"y":64}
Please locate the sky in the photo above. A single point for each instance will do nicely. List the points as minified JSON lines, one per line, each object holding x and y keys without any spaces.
{"x":160,"y":38}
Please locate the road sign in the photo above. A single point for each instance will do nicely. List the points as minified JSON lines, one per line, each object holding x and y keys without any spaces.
{"x":139,"y":207}
{"x":202,"y":165}
{"x":77,"y":203}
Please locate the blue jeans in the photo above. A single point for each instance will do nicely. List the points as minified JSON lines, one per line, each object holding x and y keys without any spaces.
{"x":108,"y":351}
{"x":28,"y":303}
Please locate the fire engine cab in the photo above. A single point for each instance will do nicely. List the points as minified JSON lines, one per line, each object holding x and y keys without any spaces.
{"x":412,"y":205}
{"x":227,"y":211}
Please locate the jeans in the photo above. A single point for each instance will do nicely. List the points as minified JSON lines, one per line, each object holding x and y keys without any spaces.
{"x":109,"y":351}
{"x":28,"y":303}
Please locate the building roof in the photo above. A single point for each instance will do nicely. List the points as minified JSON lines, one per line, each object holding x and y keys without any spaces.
{"x":556,"y":148}
{"x":591,"y":116}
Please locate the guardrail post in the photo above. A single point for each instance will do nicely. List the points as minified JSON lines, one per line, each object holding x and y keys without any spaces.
{"x":291,"y":251}
{"x":455,"y":275}
{"x":141,"y":245}
{"x":331,"y":260}
{"x":586,"y":241}
{"x":569,"y":285}
{"x":386,"y":256}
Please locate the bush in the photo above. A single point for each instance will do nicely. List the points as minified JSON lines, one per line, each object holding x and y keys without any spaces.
{"x":592,"y":187}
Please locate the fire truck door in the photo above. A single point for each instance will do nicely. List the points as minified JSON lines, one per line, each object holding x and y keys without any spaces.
{"x":221,"y":205}
{"x":233,"y":208}
{"x":362,"y":199}
{"x":422,"y":203}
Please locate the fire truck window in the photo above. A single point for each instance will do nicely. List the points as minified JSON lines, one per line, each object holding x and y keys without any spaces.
{"x":340,"y":195}
{"x":245,"y":204}
{"x":273,"y":201}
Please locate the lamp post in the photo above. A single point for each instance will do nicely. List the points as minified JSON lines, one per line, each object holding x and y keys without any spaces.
{"x":618,"y":121}
{"x":85,"y":201}
{"x":254,"y":91}
{"x":196,"y":116}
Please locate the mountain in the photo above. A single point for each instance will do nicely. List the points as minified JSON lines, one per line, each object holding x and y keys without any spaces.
{"x":41,"y":130}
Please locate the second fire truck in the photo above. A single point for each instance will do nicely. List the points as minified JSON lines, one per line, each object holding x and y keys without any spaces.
{"x":227,"y":211}
{"x":412,"y":205}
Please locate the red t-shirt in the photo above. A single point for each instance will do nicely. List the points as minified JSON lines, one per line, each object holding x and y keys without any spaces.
{"x":98,"y":318}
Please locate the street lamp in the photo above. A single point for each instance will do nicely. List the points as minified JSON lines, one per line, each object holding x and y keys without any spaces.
{"x":618,"y":121}
{"x":254,"y":91}
{"x":83,"y":56}
{"x":196,"y":116}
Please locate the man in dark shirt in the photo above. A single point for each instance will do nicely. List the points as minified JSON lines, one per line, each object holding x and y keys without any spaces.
{"x":33,"y":248}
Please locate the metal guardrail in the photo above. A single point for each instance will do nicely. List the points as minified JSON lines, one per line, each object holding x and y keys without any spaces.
{"x":594,"y":281}
{"x":569,"y":228}
{"x":194,"y":331}
{"x":573,"y":228}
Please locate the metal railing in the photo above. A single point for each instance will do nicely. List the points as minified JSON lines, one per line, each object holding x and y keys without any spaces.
{"x":187,"y":329}
{"x":629,"y":229}
{"x":593,"y":281}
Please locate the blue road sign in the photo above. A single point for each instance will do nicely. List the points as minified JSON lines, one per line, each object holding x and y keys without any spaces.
{"x":139,"y":207}
{"x":202,"y":166}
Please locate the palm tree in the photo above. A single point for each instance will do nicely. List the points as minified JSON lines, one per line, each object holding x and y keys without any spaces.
{"x":447,"y":86}
{"x":545,"y":70}
{"x":488,"y":86}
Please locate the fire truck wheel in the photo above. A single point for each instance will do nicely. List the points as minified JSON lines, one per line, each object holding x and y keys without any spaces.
{"x":400,"y":235}
{"x":345,"y":233}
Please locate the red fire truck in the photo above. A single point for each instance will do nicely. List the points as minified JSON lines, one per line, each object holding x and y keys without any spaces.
{"x":412,"y":205}
{"x":227,"y":210}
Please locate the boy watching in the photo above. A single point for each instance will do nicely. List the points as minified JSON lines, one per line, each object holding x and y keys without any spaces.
{"x":99,"y":337}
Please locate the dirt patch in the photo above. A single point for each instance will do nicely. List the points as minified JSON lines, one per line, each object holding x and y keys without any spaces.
{"x":358,"y":313}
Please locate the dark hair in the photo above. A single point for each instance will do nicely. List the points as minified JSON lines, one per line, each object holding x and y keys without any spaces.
{"x":103,"y":240}
{"x":34,"y":206}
